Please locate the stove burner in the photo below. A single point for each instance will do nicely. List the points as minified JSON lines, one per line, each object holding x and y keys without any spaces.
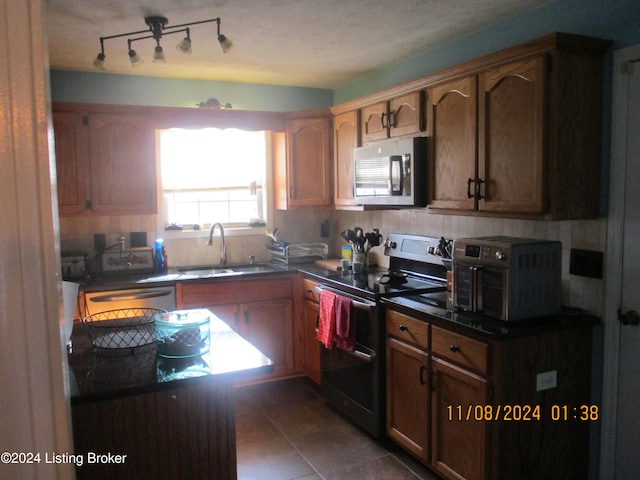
{"x":392,"y":278}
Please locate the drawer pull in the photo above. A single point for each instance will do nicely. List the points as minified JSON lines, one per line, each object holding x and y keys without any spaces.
{"x":403,"y":328}
{"x":309,"y":291}
{"x":454,"y":348}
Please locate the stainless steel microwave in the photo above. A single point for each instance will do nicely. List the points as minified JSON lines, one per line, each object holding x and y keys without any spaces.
{"x":393,"y":173}
{"x":507,"y":278}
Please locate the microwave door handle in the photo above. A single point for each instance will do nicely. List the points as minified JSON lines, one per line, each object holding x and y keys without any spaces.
{"x":400,"y":180}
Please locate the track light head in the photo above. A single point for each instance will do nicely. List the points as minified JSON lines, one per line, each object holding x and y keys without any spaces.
{"x":225,"y":43}
{"x":134,"y":58}
{"x":158,"y":55}
{"x":99,"y":61}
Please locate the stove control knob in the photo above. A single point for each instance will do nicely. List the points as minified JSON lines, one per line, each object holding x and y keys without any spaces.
{"x":500,"y":255}
{"x":390,"y":244}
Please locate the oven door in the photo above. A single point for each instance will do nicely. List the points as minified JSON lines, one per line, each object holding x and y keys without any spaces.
{"x":353,"y":382}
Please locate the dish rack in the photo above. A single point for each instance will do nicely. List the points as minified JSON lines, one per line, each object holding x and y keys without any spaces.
{"x":300,"y":253}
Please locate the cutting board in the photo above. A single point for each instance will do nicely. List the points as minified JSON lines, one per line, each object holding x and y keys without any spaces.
{"x":330,"y":264}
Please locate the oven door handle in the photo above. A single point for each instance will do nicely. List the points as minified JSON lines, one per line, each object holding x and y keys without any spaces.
{"x":362,"y":355}
{"x":360,"y":303}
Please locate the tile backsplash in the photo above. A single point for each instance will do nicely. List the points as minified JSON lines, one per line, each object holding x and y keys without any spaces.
{"x":76,"y":234}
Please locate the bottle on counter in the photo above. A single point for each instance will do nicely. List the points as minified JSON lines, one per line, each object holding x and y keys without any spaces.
{"x":159,"y":257}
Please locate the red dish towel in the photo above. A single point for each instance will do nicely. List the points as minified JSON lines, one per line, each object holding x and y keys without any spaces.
{"x":327,"y":323}
{"x":345,"y":324}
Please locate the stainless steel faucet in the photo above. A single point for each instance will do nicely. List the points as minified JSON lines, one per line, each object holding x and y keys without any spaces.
{"x":223,"y":249}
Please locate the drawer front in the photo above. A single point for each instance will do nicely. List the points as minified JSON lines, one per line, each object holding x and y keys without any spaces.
{"x":309,"y":290}
{"x":233,"y":291}
{"x":459,"y":349}
{"x":408,"y":329}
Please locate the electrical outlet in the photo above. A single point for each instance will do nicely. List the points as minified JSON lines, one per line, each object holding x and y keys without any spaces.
{"x":546,"y":380}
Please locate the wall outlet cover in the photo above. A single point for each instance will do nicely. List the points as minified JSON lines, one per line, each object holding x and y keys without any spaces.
{"x":546,"y":380}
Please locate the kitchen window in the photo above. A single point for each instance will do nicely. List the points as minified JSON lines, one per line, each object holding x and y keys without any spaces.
{"x":212,"y":175}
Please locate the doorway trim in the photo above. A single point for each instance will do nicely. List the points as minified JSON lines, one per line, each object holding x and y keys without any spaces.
{"x":615,"y":232}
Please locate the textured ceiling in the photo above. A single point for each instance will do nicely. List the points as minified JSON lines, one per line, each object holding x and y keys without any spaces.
{"x":307,"y":43}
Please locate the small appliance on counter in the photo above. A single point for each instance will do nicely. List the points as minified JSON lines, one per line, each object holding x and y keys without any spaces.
{"x":128,"y":260}
{"x":74,"y":265}
{"x":507,"y":278}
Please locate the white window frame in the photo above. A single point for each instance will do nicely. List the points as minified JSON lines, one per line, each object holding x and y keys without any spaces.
{"x":229,"y":229}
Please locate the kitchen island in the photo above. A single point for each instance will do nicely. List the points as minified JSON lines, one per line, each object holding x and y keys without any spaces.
{"x":138,"y":415}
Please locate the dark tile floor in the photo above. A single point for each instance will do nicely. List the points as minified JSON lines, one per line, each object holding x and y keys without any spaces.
{"x":286,"y":431}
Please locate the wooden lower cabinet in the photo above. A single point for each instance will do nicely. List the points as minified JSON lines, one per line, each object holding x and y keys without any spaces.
{"x":181,"y":433}
{"x":469,"y":406}
{"x":262,"y":311}
{"x":408,"y":397}
{"x":458,"y":445}
{"x":310,"y":317}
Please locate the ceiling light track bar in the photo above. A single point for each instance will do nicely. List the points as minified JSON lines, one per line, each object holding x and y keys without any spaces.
{"x":158,"y":27}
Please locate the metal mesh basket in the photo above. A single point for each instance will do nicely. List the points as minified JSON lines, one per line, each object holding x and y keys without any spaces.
{"x":122,"y":329}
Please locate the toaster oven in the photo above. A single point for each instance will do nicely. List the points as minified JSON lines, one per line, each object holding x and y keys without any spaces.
{"x":507,"y":278}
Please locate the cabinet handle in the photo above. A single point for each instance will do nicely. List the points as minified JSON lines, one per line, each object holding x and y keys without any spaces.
{"x":391,"y":123}
{"x":404,"y":328}
{"x":309,"y":290}
{"x":235,"y":319}
{"x":422,"y":370}
{"x":454,"y":348}
{"x":291,"y":192}
{"x":246,"y":318}
{"x":479,"y":195}
{"x":382,"y":120}
{"x":469,"y":182}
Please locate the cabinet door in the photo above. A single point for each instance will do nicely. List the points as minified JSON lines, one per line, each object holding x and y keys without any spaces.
{"x":72,"y":162}
{"x":308,"y":160}
{"x":511,"y":138}
{"x":374,"y":122}
{"x":406,"y":114}
{"x":229,"y":313}
{"x":408,"y":397}
{"x":458,"y":442}
{"x":123,"y":167}
{"x":345,"y":139}
{"x":269,"y":326}
{"x":311,"y":360}
{"x":452,"y":128}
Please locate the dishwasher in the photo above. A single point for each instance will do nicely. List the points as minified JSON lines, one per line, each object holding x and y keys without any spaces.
{"x":159,"y":297}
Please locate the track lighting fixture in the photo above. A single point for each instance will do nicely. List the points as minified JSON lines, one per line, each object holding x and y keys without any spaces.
{"x":157,"y":28}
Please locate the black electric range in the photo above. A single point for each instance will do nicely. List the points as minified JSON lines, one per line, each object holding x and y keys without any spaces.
{"x":415,"y":267}
{"x":353,"y":381}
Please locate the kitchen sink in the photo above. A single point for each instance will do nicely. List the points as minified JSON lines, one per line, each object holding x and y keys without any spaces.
{"x":217,"y":270}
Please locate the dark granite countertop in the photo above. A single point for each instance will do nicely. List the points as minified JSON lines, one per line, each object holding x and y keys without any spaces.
{"x":172,"y":276}
{"x":140,"y":370}
{"x":421,"y":306}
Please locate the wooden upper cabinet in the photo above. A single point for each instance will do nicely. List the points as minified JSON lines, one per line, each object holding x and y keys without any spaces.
{"x":512,"y":137}
{"x":123,"y":167}
{"x":345,"y":138}
{"x":72,"y":162}
{"x":402,"y":115}
{"x":302,"y":169}
{"x":519,"y":136}
{"x":105,"y":163}
{"x":452,"y":131}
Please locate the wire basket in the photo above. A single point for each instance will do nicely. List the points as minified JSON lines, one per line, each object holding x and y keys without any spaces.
{"x":127,"y":328}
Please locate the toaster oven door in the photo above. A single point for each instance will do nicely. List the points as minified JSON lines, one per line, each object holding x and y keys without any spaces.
{"x":481,"y":289}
